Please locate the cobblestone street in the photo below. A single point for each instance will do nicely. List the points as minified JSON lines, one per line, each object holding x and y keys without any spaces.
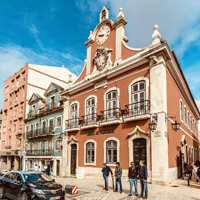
{"x":178,"y":189}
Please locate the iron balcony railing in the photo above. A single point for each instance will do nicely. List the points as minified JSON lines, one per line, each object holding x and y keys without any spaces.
{"x":72,"y":123}
{"x":109,"y":115}
{"x":137,"y":109}
{"x":41,"y":152}
{"x":40,"y":132}
{"x":87,"y":120}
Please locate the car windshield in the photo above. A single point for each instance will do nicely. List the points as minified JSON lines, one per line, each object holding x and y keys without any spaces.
{"x":37,"y":178}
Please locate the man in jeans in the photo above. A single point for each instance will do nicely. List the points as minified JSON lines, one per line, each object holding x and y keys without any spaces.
{"x":132,"y":175}
{"x":106,"y":170}
{"x":143,"y":179}
{"x":118,"y":175}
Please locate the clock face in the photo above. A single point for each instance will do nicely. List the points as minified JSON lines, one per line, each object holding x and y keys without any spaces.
{"x":103,"y":34}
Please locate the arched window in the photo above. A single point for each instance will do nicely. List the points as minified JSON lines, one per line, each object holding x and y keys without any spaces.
{"x":138,"y":97}
{"x":186,"y":154}
{"x":190,"y":152}
{"x":111,"y":151}
{"x":90,"y":109}
{"x":74,"y":115}
{"x":37,"y":129}
{"x":185,"y":112}
{"x":111,"y":105}
{"x":192,"y":155}
{"x":181,"y":110}
{"x":103,"y":14}
{"x":44,"y":126}
{"x":58,"y":145}
{"x":188,"y":120}
{"x":90,"y":152}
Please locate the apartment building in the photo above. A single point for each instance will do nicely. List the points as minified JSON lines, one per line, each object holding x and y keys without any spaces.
{"x":18,"y":89}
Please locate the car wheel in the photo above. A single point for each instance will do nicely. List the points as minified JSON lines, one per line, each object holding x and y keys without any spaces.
{"x":24,"y":196}
{"x":1,"y":193}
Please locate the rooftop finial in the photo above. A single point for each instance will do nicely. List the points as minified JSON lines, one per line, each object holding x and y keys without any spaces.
{"x":156,"y":36}
{"x":120,"y":15}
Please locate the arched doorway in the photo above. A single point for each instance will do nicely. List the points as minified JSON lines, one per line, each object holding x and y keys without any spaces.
{"x":139,"y":151}
{"x":73,"y":158}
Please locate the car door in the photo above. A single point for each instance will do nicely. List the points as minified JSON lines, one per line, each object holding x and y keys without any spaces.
{"x":17,"y":186}
{"x":10,"y":190}
{"x":6,"y":182}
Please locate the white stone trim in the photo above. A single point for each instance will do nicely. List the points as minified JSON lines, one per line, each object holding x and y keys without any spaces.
{"x":137,"y":80}
{"x":138,"y":133}
{"x":118,"y":149}
{"x":90,"y":96}
{"x":72,"y":140}
{"x":56,"y":122}
{"x":180,"y":101}
{"x":109,"y":90}
{"x":95,"y":153}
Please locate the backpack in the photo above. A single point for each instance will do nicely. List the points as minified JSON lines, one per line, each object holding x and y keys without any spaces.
{"x":198,"y":172}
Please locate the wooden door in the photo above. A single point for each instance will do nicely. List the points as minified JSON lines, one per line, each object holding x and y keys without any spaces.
{"x":139,"y":151}
{"x":73,"y":158}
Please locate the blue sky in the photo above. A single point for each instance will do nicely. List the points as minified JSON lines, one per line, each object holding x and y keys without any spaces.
{"x":53,"y":32}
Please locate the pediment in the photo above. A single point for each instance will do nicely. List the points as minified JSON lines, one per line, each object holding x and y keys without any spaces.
{"x":138,"y":131}
{"x":53,"y":87}
{"x":72,"y":139}
{"x":34,"y":98}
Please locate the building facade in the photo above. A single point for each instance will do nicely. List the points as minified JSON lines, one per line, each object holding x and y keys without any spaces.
{"x":17,"y":92}
{"x":43,"y":142}
{"x":121,"y":93}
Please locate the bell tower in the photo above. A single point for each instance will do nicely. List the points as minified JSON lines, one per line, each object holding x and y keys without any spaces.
{"x":104,"y":14}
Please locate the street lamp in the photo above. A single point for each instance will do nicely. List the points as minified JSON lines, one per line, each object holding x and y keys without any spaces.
{"x":176,"y":126}
{"x":153,"y":123}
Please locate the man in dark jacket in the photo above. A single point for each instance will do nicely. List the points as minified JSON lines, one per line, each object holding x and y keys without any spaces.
{"x":143,"y":179}
{"x":106,"y":171}
{"x":132,"y":175}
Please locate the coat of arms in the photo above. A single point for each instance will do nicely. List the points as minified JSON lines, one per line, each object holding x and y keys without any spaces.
{"x":101,"y":58}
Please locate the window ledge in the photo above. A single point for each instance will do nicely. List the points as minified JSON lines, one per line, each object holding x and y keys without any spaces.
{"x":73,"y":129}
{"x":111,"y":165}
{"x":128,"y":119}
{"x":89,"y":126}
{"x":91,"y":164}
{"x":110,"y":123}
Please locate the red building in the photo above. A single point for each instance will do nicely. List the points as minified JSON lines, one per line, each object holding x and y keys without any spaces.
{"x":121,"y":92}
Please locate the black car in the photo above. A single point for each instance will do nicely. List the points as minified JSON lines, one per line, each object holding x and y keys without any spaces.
{"x":29,"y":186}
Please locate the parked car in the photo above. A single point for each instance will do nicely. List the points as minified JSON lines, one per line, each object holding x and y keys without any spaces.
{"x":29,"y":186}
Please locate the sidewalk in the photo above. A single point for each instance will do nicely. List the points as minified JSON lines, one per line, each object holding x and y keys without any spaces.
{"x":178,"y":189}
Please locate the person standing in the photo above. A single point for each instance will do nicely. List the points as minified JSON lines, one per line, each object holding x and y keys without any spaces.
{"x":48,"y":169}
{"x":189,"y":169}
{"x":132,"y":175}
{"x":143,"y":179}
{"x":106,"y":171}
{"x":118,"y":175}
{"x":36,"y":168}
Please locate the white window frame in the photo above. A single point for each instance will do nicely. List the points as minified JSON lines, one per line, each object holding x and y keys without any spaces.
{"x":78,"y":105}
{"x":185,"y":115}
{"x":95,"y":152}
{"x":118,"y":149}
{"x":60,"y":145}
{"x":191,"y":123}
{"x":146,"y":87}
{"x":91,"y":96}
{"x":60,"y":121}
{"x":181,"y":114}
{"x":105,"y":96}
